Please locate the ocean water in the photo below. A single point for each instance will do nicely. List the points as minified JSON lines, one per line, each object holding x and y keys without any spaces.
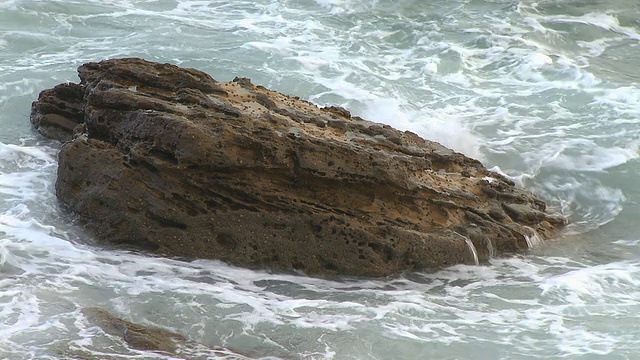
{"x":544,"y":91}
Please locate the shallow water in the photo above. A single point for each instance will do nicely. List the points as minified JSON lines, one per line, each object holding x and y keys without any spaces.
{"x":544,"y":91}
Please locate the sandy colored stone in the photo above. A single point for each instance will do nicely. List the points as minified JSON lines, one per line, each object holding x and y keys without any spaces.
{"x":172,"y":161}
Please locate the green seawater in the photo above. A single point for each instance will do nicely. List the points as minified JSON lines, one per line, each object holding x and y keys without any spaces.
{"x":546,"y":92}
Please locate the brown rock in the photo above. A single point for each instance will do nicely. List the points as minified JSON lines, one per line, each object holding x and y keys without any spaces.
{"x":137,"y":336}
{"x":58,"y":111}
{"x":175,"y":162}
{"x":146,"y":338}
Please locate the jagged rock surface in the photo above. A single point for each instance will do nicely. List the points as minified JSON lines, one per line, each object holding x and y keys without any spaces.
{"x":170,"y":160}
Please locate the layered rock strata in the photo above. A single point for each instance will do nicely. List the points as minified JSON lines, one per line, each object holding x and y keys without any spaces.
{"x":172,"y":161}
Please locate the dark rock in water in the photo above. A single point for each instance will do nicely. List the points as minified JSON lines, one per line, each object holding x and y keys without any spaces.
{"x":136,"y":336}
{"x":153,"y":339}
{"x":170,"y":160}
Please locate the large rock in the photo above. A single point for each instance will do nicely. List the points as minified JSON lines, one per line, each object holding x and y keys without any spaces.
{"x":170,"y":160}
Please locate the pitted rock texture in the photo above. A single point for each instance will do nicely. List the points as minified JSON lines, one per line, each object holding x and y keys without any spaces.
{"x":170,"y":160}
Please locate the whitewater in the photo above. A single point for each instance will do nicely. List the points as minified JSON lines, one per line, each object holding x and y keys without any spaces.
{"x":546,"y":92}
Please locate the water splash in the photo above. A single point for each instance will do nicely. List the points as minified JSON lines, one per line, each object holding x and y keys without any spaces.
{"x":539,"y":101}
{"x":471,"y":247}
{"x":533,"y":239}
{"x":490,"y":249}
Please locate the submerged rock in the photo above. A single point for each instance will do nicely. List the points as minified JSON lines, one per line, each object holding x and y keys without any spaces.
{"x":136,"y":336}
{"x":145,"y":338}
{"x":170,"y":160}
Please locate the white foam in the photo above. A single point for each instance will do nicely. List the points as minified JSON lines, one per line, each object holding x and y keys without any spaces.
{"x":533,"y":239}
{"x":507,"y":86}
{"x":336,"y":6}
{"x":630,"y":243}
{"x":280,"y":47}
{"x":439,"y":126}
{"x":587,"y":155}
{"x":595,"y":47}
{"x":624,"y":99}
{"x":16,"y":153}
{"x":605,"y":21}
{"x":471,"y":248}
{"x":595,"y":283}
{"x":489,"y":179}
